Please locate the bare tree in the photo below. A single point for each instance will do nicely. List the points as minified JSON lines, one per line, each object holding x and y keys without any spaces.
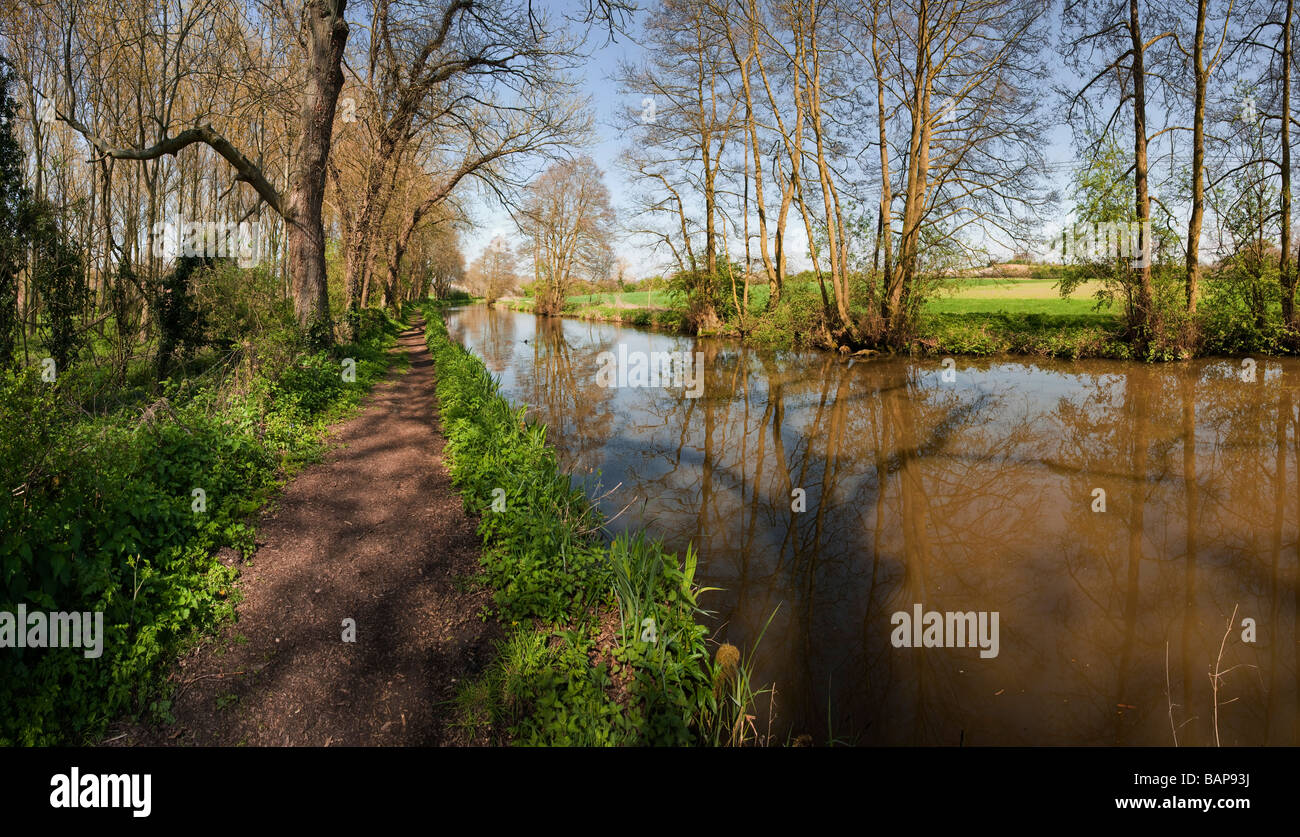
{"x":685,"y":124}
{"x":567,"y":220}
{"x":1105,"y":42}
{"x":434,"y":70}
{"x":321,"y":30}
{"x":444,"y":261}
{"x":495,"y":273}
{"x":323,"y":34}
{"x":959,"y":100}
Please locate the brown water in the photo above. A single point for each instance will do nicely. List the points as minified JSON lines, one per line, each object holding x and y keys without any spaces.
{"x":974,"y":494}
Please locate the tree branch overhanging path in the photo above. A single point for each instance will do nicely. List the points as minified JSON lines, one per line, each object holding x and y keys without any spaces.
{"x":325,"y":32}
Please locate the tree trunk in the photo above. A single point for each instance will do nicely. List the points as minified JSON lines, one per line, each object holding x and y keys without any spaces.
{"x":885,"y":224}
{"x":1147,"y":325}
{"x":751,"y":125}
{"x":327,"y":32}
{"x":1198,"y":162}
{"x":918,"y":165}
{"x":1286,"y":274}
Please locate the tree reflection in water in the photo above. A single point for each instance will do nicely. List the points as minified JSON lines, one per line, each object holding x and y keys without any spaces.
{"x":974,"y":495}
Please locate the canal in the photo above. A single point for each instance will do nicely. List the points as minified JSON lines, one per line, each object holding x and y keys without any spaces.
{"x":1114,"y":516}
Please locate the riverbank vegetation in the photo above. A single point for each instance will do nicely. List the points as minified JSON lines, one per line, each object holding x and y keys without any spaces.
{"x":604,"y":639}
{"x":969,"y":317}
{"x":134,"y":495}
{"x":976,"y":316}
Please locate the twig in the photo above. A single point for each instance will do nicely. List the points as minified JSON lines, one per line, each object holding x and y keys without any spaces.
{"x":1216,"y":674}
{"x":186,"y":683}
{"x":1168,"y":698}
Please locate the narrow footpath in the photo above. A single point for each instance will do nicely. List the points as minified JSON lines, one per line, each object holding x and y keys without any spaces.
{"x":375,"y":534}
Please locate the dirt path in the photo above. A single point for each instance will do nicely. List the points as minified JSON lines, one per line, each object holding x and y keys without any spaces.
{"x":374,"y":533}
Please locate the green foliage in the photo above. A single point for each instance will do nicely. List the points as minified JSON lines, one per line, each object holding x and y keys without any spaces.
{"x":176,"y":315}
{"x":13,"y":233}
{"x":239,"y":304}
{"x":548,"y":692}
{"x":1240,"y":311}
{"x":796,"y":320}
{"x":541,"y":563}
{"x":1104,"y":210}
{"x":560,"y":678}
{"x":706,"y":297}
{"x":1030,"y":334}
{"x":98,"y":513}
{"x":58,"y":279}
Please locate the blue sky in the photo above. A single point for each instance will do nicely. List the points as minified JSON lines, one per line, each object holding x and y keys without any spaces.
{"x":597,"y":80}
{"x":598,"y":84}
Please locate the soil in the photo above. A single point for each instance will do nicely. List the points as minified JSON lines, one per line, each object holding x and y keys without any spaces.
{"x":374,"y":533}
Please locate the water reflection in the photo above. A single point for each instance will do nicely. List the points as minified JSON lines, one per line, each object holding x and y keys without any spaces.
{"x":973,"y":495}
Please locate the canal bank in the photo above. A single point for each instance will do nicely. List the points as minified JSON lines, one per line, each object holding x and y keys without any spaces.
{"x":839,"y":492}
{"x":605,"y":644}
{"x":963,"y":334}
{"x":957,"y":327}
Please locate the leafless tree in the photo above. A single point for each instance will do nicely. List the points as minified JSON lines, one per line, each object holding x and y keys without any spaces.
{"x":567,"y":220}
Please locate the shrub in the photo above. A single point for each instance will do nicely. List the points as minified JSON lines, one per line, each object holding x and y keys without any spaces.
{"x":797,"y":319}
{"x":1240,"y":313}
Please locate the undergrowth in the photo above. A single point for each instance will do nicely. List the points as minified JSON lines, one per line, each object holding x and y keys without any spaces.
{"x":101,"y":512}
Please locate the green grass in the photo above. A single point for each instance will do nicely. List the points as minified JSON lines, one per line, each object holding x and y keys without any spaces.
{"x":560,"y":677}
{"x":1045,"y":335}
{"x":985,"y":282}
{"x":635,"y":299}
{"x":1055,"y":307}
{"x":973,"y":315}
{"x":968,"y":295}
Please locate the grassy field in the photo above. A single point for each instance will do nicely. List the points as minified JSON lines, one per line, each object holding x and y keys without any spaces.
{"x":1017,"y":296}
{"x":973,"y":295}
{"x":971,"y":315}
{"x":625,"y":299}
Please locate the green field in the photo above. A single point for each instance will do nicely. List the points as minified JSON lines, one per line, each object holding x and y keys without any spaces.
{"x":970,"y":315}
{"x":625,"y":299}
{"x":972,"y":295}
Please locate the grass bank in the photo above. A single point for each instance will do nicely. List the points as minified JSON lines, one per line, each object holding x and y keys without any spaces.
{"x":971,"y":322}
{"x":604,"y":642}
{"x":1043,"y":335}
{"x":623,"y":313}
{"x":124,"y":510}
